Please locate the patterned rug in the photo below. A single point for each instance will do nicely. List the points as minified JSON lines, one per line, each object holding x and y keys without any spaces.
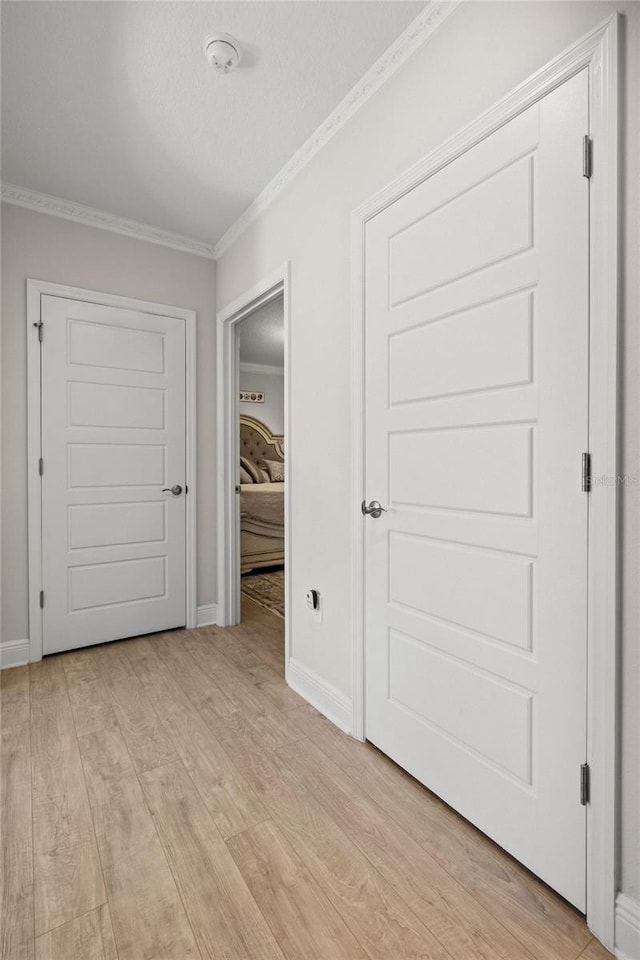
{"x":266,"y":587}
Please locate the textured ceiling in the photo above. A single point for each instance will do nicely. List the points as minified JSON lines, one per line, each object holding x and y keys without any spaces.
{"x":262,"y":335}
{"x":113,"y":104}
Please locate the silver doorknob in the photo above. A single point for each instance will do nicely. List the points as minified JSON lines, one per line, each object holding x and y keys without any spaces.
{"x":373,"y":509}
{"x":176,"y":489}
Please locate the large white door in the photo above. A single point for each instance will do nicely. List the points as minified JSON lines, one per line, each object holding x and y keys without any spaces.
{"x":477,"y":330}
{"x":113,"y":440}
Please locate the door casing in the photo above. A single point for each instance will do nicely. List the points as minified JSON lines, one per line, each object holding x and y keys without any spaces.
{"x":597,"y":52}
{"x":36,"y":289}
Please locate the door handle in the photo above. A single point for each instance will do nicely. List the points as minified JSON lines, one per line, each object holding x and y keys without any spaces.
{"x":176,"y":489}
{"x":373,"y":509}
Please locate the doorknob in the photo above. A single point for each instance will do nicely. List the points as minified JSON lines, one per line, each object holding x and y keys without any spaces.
{"x":176,"y":489}
{"x":374,"y":509}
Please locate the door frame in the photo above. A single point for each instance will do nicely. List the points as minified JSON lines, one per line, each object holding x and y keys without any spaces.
{"x":36,"y":289}
{"x":276,"y":284}
{"x":597,"y":52}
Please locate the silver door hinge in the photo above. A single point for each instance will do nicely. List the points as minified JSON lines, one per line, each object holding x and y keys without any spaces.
{"x":587,"y":156}
{"x":40,"y":327}
{"x":584,"y":784}
{"x":40,"y":466}
{"x":41,"y":599}
{"x":586,"y":472}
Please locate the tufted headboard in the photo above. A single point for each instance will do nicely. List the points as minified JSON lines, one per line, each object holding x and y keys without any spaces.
{"x":257,"y":443}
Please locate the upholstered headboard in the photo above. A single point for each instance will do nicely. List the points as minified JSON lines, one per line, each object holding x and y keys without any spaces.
{"x":257,"y":443}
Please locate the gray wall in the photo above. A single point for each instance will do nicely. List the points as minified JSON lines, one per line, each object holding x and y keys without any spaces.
{"x":42,"y":247}
{"x":481,"y":53}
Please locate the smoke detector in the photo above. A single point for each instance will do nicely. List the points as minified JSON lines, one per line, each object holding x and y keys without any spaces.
{"x":222,"y":51}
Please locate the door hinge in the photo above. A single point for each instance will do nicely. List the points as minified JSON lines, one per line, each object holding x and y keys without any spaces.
{"x":587,"y":156}
{"x":40,"y":327}
{"x":40,"y":466}
{"x":584,"y":784}
{"x":586,"y":472}
{"x":41,"y":599}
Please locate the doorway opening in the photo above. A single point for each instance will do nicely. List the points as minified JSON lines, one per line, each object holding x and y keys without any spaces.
{"x":261,"y":462}
{"x":253,"y":457}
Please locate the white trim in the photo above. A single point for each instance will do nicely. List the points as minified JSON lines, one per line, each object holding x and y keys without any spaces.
{"x":603,"y":623}
{"x":333,"y":704}
{"x":227,"y":458}
{"x":262,"y":368}
{"x":416,"y":34}
{"x":36,"y":289}
{"x":207,"y":615}
{"x":597,"y":52}
{"x":627,"y":928}
{"x":191,"y":464}
{"x":14,"y":653}
{"x":92,"y":217}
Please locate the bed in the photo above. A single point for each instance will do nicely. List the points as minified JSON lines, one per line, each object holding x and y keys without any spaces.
{"x":261,"y":496}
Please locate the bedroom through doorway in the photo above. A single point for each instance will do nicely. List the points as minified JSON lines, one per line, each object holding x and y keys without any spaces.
{"x":261,"y":446}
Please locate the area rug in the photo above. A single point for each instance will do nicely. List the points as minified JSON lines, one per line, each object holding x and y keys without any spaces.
{"x":266,"y":587}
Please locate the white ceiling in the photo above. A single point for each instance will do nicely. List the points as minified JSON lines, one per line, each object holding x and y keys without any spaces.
{"x":113,"y":104}
{"x":262,"y":335}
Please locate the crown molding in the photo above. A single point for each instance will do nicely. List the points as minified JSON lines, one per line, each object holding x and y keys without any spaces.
{"x":417,"y":33}
{"x":90,"y":217}
{"x":262,"y":368}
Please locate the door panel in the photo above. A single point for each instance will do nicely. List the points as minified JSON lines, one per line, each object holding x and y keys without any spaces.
{"x":477,"y":333}
{"x":113,"y":436}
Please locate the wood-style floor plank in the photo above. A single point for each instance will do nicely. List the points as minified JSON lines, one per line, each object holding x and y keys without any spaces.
{"x":303,"y":920}
{"x":210,"y":699}
{"x":16,"y":846}
{"x":595,"y":951}
{"x":146,"y":737}
{"x":249,"y":700}
{"x":251,"y":650}
{"x":233,"y":822}
{"x":146,"y":910}
{"x":67,"y":874}
{"x":540,"y":920}
{"x":379,"y":918}
{"x":258,"y":662}
{"x":90,"y":701}
{"x":15,"y":701}
{"x":231,"y":803}
{"x":88,"y":938}
{"x":463,"y":927}
{"x":224,"y":916}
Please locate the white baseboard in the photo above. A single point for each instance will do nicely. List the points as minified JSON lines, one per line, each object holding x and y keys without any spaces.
{"x":14,"y":653}
{"x":320,"y":694}
{"x":207,"y":615}
{"x":627,"y":928}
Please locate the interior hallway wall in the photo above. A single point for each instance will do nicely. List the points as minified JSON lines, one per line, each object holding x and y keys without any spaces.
{"x":480,"y":53}
{"x":43,"y":247}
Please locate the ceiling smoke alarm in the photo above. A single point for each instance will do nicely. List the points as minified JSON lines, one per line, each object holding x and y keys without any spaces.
{"x":222,"y":51}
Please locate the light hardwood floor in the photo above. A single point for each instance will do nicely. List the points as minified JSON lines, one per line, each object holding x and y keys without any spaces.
{"x":169,"y":797}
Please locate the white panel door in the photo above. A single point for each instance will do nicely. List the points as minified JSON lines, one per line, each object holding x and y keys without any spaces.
{"x":113,"y":436}
{"x":477,"y":331}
